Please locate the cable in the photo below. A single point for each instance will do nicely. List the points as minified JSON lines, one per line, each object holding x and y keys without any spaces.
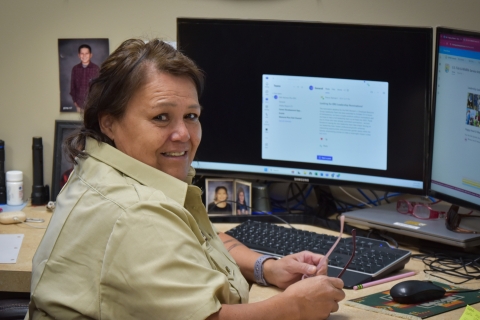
{"x":294,"y":196}
{"x":284,"y":221}
{"x":355,"y":198}
{"x":262,"y":212}
{"x":344,"y":206}
{"x":304,"y":197}
{"x":285,"y":203}
{"x":32,"y":226}
{"x":389,"y":239}
{"x":379,"y":201}
{"x":385,"y":196}
{"x":365,"y":196}
{"x":466,"y":267}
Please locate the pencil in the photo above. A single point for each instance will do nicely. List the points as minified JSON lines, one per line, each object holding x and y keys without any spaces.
{"x":374,"y":283}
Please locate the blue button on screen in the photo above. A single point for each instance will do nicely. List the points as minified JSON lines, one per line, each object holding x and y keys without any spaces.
{"x":327,"y":158}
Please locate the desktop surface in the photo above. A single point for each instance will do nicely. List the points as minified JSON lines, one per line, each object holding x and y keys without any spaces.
{"x":16,"y":277}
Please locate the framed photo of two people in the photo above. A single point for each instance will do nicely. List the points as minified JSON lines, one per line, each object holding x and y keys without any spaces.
{"x":228,"y":196}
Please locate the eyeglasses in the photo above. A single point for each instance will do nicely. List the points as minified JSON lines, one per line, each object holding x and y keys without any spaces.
{"x":418,"y":210}
{"x":453,"y":220}
{"x":325,"y":257}
{"x":354,"y":242}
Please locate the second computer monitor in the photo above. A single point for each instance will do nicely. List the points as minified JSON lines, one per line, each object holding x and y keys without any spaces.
{"x":455,"y":175}
{"x":337,"y":104}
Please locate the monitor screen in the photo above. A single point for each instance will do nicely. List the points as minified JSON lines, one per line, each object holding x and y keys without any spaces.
{"x":334,"y":104}
{"x":455,"y":176}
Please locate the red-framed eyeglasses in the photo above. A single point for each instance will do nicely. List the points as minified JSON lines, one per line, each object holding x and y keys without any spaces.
{"x":418,"y":210}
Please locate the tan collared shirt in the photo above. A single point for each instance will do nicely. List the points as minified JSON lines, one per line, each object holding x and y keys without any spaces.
{"x":128,"y":241}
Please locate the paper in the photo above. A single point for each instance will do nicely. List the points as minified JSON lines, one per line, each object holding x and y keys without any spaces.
{"x":10,"y":247}
{"x":470,"y":313}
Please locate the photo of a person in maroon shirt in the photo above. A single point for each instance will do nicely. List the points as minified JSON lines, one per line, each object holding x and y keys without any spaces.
{"x":82,"y":74}
{"x":79,"y":64}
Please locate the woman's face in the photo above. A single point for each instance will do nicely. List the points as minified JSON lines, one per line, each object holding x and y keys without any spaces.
{"x":221,"y":195}
{"x":160,"y":126}
{"x":241,"y":197}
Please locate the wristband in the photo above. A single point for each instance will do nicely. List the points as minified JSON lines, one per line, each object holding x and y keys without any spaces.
{"x":258,"y":270}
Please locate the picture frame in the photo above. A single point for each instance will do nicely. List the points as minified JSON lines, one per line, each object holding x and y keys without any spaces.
{"x":219,"y":196}
{"x":72,"y":85}
{"x":62,"y":167}
{"x":243,"y":197}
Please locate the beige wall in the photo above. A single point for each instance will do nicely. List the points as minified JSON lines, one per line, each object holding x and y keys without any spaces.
{"x":29,"y":30}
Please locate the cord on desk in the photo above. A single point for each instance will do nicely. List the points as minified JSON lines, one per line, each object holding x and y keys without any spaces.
{"x":457,"y":265}
{"x":32,"y":226}
{"x":388,"y":238}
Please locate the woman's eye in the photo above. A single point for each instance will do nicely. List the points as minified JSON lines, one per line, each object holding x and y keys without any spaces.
{"x":161,"y":117}
{"x":191,"y":116}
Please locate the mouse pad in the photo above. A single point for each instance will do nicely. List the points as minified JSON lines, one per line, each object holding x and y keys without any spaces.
{"x":381,"y":302}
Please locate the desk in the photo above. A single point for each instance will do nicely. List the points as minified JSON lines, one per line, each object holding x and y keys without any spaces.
{"x":17,"y":277}
{"x":258,"y":293}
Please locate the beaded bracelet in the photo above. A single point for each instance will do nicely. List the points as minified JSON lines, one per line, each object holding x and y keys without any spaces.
{"x":258,"y":270}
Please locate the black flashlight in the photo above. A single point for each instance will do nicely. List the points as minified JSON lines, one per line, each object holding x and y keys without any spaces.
{"x":3,"y":185}
{"x":40,"y":193}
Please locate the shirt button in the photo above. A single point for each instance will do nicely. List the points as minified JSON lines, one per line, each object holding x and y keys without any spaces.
{"x":228,"y":269}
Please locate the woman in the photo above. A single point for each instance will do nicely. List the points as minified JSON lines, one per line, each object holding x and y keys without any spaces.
{"x":220,"y":204}
{"x":130,"y":237}
{"x":242,"y":206}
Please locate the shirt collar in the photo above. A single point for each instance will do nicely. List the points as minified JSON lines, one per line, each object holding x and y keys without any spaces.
{"x":137,"y":170}
{"x":89,"y":65}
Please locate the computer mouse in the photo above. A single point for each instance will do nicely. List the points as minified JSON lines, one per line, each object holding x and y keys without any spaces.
{"x":416,"y":291}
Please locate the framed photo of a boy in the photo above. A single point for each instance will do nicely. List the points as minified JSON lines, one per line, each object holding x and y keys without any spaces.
{"x":79,"y":64}
{"x":219,"y":196}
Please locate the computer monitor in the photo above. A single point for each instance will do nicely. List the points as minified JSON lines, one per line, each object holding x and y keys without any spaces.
{"x":323,"y":103}
{"x":455,"y":138}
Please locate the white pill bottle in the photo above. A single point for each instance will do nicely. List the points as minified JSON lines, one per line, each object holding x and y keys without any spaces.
{"x":14,"y":181}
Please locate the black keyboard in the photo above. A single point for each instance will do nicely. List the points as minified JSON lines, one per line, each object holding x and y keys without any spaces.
{"x":373,"y":258}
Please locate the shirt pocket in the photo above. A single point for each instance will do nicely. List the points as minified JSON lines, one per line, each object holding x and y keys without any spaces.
{"x":219,"y":261}
{"x":239,"y":287}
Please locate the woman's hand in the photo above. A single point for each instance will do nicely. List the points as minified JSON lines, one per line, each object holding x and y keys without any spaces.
{"x":290,"y":269}
{"x":311,"y":299}
{"x":316,"y":297}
